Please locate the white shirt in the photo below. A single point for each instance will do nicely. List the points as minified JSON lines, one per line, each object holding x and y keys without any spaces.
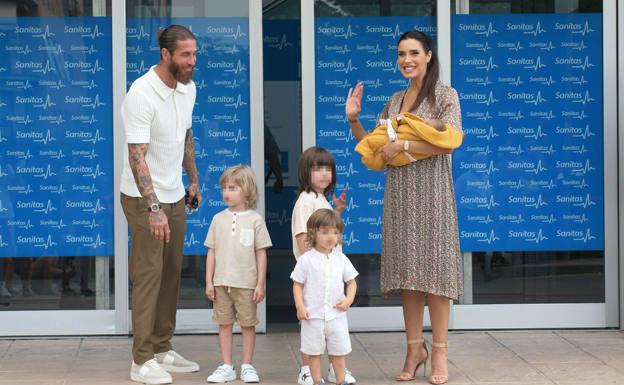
{"x":156,"y":114}
{"x":323,"y":277}
{"x":307,"y":203}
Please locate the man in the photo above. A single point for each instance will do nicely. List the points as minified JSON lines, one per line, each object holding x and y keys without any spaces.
{"x":157,"y":117}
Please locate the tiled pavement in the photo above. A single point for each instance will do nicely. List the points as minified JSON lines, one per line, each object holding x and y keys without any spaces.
{"x":507,"y":358}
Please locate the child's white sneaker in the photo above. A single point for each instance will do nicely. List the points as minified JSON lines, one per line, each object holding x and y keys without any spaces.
{"x":331,"y":376}
{"x":305,"y":377}
{"x":150,"y":373}
{"x":174,"y":362}
{"x":223,"y":373}
{"x":249,"y":373}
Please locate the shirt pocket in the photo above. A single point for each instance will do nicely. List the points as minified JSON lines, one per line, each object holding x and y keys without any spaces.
{"x":246,"y":237}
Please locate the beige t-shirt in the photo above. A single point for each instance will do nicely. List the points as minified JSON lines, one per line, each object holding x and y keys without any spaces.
{"x":306,"y":205}
{"x":235,"y":236}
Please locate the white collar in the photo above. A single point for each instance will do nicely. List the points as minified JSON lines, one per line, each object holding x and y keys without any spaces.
{"x":160,"y":87}
{"x":315,"y":251}
{"x":238,"y":213}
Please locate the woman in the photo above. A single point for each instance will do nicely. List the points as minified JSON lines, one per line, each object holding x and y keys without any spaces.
{"x":420,"y":243}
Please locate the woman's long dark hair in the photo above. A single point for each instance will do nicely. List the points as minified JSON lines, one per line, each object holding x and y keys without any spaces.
{"x":427,"y":90}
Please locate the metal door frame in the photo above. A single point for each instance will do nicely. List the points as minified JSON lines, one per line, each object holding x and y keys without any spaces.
{"x":503,"y":316}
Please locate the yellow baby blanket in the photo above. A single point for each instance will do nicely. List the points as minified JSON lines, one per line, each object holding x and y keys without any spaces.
{"x":405,"y":126}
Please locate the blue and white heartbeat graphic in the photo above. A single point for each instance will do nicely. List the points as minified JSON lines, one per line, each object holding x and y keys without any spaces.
{"x":537,"y":82}
{"x":60,"y":119}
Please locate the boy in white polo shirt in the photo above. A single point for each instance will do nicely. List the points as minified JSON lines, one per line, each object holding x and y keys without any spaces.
{"x":319,"y":289}
{"x":236,"y":269}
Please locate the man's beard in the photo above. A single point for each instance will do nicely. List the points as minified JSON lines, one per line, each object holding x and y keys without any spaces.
{"x":174,"y":69}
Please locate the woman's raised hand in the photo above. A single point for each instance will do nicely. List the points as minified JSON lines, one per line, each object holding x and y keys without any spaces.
{"x":353,"y":105}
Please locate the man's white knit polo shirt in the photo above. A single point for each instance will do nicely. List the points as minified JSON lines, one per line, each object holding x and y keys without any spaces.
{"x":158,"y":115}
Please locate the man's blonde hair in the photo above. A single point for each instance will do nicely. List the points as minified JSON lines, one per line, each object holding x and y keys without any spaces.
{"x":242,"y":176}
{"x":322,"y":218}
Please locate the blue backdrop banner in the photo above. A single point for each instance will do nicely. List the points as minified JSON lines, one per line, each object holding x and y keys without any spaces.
{"x":221,"y":113}
{"x":56,"y":153}
{"x":529,"y":175}
{"x":349,"y":50}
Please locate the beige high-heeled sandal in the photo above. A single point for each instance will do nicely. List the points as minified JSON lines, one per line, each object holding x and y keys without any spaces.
{"x":407,"y":376}
{"x":438,"y":379}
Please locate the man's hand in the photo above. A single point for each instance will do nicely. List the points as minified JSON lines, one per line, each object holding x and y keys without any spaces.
{"x":343,"y":305}
{"x":302,"y":314}
{"x":193,"y":190}
{"x":258,"y":294}
{"x":210,"y":292}
{"x":159,"y":226}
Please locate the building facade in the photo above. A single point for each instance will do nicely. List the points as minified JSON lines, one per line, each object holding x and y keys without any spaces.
{"x":536,"y":179}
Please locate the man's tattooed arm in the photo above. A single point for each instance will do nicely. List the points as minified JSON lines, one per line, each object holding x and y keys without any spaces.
{"x":141,"y":172}
{"x":189,"y":158}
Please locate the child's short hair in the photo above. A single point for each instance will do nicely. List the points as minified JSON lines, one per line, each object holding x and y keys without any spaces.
{"x":242,"y":176}
{"x":322,"y":218}
{"x":315,"y":157}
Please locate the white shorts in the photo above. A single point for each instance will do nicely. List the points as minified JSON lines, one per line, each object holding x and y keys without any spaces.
{"x":317,"y":334}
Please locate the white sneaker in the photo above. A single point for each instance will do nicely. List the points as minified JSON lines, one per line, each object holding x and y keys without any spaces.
{"x":150,"y":373}
{"x":249,"y":373}
{"x":331,"y":376}
{"x":173,"y":362}
{"x":223,"y":373}
{"x":305,"y":377}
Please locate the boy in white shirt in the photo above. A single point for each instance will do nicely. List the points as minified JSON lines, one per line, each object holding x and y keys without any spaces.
{"x":236,"y":269}
{"x":319,"y":289}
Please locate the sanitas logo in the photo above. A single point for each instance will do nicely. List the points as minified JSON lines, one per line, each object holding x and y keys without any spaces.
{"x":18,"y":49}
{"x":344,"y":170}
{"x":337,"y":100}
{"x":480,"y":236}
{"x":574,"y":97}
{"x":527,"y":201}
{"x":136,"y":33}
{"x":478,"y":29}
{"x":278,"y":217}
{"x":527,"y":166}
{"x":526,"y":28}
{"x":576,"y":235}
{"x":43,"y":33}
{"x":86,"y":206}
{"x":84,"y":31}
{"x":84,"y":66}
{"x":575,"y":28}
{"x":85,"y":101}
{"x":277,"y":42}
{"x":527,"y":63}
{"x":385,"y":65}
{"x":479,"y":184}
{"x":86,"y":171}
{"x":337,"y":31}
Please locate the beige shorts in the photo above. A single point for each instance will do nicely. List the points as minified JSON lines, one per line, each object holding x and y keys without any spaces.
{"x":234,"y":304}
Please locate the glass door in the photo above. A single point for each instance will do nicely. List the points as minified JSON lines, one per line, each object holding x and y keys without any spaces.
{"x":356,"y":41}
{"x":536,"y":202}
{"x":56,"y":169}
{"x":226,"y":124}
{"x":533,"y":175}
